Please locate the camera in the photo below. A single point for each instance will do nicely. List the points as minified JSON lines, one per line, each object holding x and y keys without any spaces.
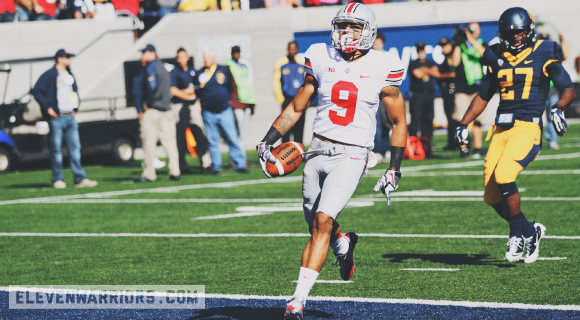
{"x":459,"y":34}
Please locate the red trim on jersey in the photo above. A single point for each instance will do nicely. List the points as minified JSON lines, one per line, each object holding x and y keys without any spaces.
{"x":395,"y":75}
{"x":308,"y":64}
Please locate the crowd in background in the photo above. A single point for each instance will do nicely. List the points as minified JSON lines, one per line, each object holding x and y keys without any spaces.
{"x":36,"y":10}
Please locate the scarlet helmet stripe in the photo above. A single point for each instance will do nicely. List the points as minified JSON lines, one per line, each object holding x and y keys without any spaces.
{"x":351,"y":7}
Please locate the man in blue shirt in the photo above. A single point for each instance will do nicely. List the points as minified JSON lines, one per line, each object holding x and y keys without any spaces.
{"x":215,"y":87}
{"x":57,"y":94}
{"x":288,"y":78}
{"x":153,"y":103}
{"x":187,"y":112}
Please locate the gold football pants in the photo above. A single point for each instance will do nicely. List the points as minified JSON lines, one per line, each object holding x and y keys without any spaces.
{"x":510,"y":151}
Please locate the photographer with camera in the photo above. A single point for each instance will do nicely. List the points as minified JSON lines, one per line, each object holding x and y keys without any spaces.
{"x":466,"y":59}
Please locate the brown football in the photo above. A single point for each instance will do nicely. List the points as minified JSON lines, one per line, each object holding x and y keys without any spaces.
{"x":289,"y":155}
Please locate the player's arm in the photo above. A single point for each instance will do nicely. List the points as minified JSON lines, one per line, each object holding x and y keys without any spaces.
{"x":299,"y":104}
{"x":478,"y":104}
{"x":562,"y":81}
{"x":456,"y":56}
{"x":395,"y":104}
{"x":286,"y":120}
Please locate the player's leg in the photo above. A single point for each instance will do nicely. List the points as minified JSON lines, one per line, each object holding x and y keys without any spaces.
{"x":522,"y":147}
{"x":311,"y":187}
{"x":340,"y":184}
{"x":493,"y":194}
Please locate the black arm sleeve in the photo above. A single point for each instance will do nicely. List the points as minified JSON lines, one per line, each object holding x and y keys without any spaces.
{"x":272,"y":136}
{"x":396,"y":157}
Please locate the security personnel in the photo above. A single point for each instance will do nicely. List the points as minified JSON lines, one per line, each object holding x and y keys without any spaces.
{"x":288,"y":78}
{"x":447,"y":86}
{"x":422,"y":72}
{"x":522,"y":72}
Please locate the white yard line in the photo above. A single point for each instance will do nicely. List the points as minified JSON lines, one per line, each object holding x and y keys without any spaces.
{"x":232,"y":215}
{"x":254,"y":182}
{"x":552,"y":258}
{"x":480,"y":173}
{"x":257,"y":235}
{"x":329,"y":281}
{"x":371,"y":198}
{"x":428,"y":269}
{"x":468,"y":304}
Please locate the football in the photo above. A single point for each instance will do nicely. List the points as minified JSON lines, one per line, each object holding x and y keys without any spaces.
{"x":289,"y":155}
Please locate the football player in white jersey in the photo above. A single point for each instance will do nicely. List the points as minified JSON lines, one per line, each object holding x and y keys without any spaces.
{"x":350,"y":79}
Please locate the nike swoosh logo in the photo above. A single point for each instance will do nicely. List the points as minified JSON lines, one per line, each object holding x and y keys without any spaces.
{"x":526,"y":62}
{"x":365,"y":76}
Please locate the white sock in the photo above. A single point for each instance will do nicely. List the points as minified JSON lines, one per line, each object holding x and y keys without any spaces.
{"x":306,"y":279}
{"x":341,"y":245}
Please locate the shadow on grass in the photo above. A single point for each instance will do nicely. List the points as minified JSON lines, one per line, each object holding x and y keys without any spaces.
{"x":450,"y":259}
{"x":247,"y":313}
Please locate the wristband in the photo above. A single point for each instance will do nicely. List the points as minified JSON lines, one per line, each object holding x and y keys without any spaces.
{"x":396,"y":157}
{"x":558,"y":106}
{"x":272,"y":136}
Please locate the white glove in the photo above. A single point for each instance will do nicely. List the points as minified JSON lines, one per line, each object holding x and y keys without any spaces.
{"x":264,"y":155}
{"x":559,"y":120}
{"x":461,"y":136}
{"x":388,"y":183}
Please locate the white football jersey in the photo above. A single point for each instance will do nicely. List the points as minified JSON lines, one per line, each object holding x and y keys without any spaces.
{"x":349,"y":92}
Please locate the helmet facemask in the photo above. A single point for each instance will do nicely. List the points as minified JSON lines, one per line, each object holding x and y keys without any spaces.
{"x":347,"y":42}
{"x":513,"y":45}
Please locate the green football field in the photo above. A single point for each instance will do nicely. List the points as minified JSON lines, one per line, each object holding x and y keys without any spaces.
{"x":244,"y":234}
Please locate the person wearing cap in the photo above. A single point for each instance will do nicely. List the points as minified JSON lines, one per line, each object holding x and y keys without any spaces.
{"x":56,"y":92}
{"x":422,"y":72}
{"x":243,"y":97}
{"x":288,"y":78}
{"x":446,"y":84}
{"x":153,"y":103}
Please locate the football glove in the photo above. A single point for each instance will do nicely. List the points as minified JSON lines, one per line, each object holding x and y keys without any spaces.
{"x":461,"y":136}
{"x":558,"y":120}
{"x":388,"y":183}
{"x":264,"y":155}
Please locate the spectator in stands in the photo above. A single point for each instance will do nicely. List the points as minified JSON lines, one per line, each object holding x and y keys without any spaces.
{"x":468,"y":75}
{"x":167,"y":6}
{"x":187,"y":112}
{"x":288,"y":78}
{"x":7,"y":10}
{"x":153,"y":103}
{"x":244,"y":97}
{"x":26,"y":9}
{"x":84,"y":9}
{"x":204,"y":5}
{"x":447,"y":86}
{"x":57,"y":94}
{"x":382,"y":138}
{"x":128,"y":7}
{"x":46,"y":9}
{"x":422,"y":72}
{"x":215,"y":87}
